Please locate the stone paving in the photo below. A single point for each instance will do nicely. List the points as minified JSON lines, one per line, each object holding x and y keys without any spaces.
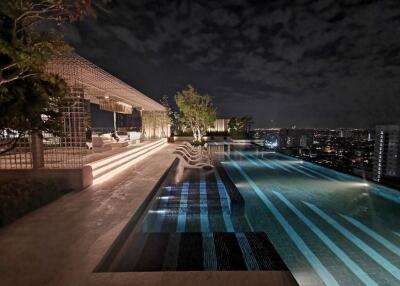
{"x":62,"y":243}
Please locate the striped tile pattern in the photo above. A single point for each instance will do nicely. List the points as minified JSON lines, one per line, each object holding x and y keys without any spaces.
{"x":329,"y":228}
{"x":197,"y":225}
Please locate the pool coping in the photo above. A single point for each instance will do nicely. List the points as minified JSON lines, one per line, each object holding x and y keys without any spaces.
{"x":109,"y":256}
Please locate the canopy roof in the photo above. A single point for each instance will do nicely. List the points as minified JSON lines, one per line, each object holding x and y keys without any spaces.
{"x":98,"y":84}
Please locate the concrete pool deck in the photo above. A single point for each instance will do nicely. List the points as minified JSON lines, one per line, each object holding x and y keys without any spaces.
{"x":62,"y":243}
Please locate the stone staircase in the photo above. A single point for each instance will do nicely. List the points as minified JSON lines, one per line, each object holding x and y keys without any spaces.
{"x":105,"y":169}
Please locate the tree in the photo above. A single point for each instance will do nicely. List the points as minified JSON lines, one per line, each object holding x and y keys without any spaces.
{"x":169,"y":112}
{"x":30,"y":99}
{"x":27,"y":40}
{"x":36,"y":111}
{"x":239,"y":127}
{"x":197,"y":111}
{"x":175,"y":119}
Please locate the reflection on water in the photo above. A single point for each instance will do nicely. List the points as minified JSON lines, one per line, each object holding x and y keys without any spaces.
{"x":329,"y":228}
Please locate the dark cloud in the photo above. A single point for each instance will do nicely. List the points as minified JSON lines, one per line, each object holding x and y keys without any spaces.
{"x":309,"y":62}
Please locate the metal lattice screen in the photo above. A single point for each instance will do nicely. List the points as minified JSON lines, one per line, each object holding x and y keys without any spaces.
{"x":69,"y":150}
{"x":88,"y":83}
{"x":66,"y":151}
{"x":18,"y":158}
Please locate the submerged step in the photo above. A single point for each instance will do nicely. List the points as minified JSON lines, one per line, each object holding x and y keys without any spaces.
{"x":197,"y":251}
{"x":236,"y":199}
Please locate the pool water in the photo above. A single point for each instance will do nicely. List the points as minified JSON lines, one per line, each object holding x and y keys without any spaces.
{"x":195,"y":223}
{"x":263,"y":211}
{"x":328,"y":227}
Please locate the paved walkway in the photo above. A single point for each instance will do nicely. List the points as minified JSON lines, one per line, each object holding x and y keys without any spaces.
{"x":61,"y":243}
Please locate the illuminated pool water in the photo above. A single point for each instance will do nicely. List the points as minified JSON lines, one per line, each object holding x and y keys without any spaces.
{"x":193,"y":221}
{"x":329,"y":228}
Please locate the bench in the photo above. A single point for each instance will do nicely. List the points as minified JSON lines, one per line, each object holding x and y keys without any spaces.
{"x":102,"y":143}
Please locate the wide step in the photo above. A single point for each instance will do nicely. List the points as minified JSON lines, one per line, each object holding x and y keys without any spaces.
{"x":106,"y":168}
{"x":196,"y":251}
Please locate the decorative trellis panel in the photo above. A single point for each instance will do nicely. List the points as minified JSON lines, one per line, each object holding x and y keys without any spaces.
{"x":87,"y":83}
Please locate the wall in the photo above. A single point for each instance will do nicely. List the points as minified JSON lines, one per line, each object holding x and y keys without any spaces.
{"x":71,"y":179}
{"x":155,"y":125}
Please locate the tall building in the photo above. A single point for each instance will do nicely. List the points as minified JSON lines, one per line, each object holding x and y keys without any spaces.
{"x":306,"y":140}
{"x":292,"y":138}
{"x":220,"y":125}
{"x":386,"y":152}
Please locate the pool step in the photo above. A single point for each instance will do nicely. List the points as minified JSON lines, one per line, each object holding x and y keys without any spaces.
{"x":236,"y":199}
{"x":210,"y":201}
{"x":196,"y":251}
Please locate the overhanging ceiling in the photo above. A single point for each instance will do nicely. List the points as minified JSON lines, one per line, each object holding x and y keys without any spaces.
{"x":97,"y":82}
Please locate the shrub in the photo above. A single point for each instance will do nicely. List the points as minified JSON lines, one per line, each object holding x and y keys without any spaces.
{"x":18,"y":197}
{"x":184,"y":133}
{"x":218,"y":133}
{"x":197,"y":143}
{"x":239,"y":127}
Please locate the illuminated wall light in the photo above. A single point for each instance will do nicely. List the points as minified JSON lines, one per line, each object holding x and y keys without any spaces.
{"x":118,"y":170}
{"x":361,"y":184}
{"x":122,"y":161}
{"x":101,"y":163}
{"x":105,"y":168}
{"x":158,"y":211}
{"x":165,"y":197}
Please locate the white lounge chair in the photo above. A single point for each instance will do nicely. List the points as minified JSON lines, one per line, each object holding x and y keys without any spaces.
{"x":193,"y":158}
{"x":190,"y":149}
{"x":194,"y":165}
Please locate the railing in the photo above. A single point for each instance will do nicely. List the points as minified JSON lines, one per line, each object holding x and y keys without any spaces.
{"x":18,"y":158}
{"x":49,"y":151}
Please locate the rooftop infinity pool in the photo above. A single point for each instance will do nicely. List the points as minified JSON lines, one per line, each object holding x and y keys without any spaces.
{"x":261,"y":211}
{"x":329,"y":228}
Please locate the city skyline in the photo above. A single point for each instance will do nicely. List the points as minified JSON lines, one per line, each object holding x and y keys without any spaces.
{"x":275,"y":158}
{"x":309,"y":63}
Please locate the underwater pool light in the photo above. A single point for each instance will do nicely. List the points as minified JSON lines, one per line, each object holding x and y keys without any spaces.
{"x":360,"y":184}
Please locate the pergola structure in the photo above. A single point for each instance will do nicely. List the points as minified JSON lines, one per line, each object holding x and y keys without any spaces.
{"x":88,"y":84}
{"x":99,"y":85}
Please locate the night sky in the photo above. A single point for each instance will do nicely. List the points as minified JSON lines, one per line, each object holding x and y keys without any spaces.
{"x":310,"y":63}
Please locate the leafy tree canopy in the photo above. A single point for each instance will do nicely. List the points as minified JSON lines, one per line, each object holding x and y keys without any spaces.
{"x":30,"y":99}
{"x":27,"y":40}
{"x":40,"y":110}
{"x":197,"y":110}
{"x":239,"y":127}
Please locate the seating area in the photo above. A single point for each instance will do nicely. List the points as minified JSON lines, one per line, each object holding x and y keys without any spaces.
{"x":105,"y":142}
{"x":193,"y":157}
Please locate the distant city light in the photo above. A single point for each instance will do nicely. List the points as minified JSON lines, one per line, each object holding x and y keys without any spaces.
{"x":165,"y":197}
{"x":271,"y":141}
{"x":360,"y":184}
{"x":162,"y":211}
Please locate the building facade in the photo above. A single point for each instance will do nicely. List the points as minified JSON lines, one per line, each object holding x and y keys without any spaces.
{"x":220,"y":126}
{"x":294,"y":138}
{"x":386,"y":152}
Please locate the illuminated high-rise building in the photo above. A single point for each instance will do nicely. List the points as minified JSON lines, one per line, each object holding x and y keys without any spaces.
{"x":386,"y":152}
